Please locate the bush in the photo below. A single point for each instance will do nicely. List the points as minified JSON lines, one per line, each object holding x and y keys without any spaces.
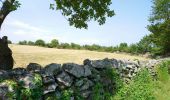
{"x":30,"y":94}
{"x":162,"y":70}
{"x":141,"y":88}
{"x":102,"y":91}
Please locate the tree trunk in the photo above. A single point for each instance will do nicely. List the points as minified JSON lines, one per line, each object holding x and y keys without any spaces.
{"x":5,"y":10}
{"x":6,"y":59}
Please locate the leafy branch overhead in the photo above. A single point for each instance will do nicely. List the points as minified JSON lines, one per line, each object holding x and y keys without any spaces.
{"x":80,"y":12}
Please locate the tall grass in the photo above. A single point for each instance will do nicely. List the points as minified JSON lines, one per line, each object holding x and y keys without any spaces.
{"x":162,"y":85}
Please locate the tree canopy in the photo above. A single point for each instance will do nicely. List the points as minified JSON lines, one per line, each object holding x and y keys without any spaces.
{"x":77,"y":12}
{"x":160,"y":25}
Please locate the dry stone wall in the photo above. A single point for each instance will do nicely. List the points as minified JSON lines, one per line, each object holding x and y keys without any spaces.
{"x":56,"y":77}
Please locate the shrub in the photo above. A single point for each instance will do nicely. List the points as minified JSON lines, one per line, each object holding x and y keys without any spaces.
{"x":30,"y":94}
{"x":162,"y":70}
{"x":101,"y":91}
{"x":141,"y":88}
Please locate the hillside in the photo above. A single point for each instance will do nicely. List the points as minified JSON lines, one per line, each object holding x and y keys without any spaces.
{"x":23,"y":55}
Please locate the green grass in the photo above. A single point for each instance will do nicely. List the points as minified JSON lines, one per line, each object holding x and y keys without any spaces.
{"x":162,"y":85}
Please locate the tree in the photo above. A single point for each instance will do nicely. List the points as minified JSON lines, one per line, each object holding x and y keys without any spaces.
{"x":22,"y":42}
{"x":145,"y":44}
{"x":40,"y":42}
{"x":30,"y":43}
{"x":123,"y":47}
{"x":54,"y":43}
{"x":7,"y":7}
{"x":160,"y":25}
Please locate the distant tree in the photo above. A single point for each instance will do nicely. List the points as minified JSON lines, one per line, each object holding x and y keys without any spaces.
{"x":54,"y":43}
{"x":75,"y":46}
{"x":30,"y":43}
{"x":22,"y":42}
{"x":160,"y":25}
{"x":133,"y":48}
{"x":64,"y":46}
{"x":145,"y":44}
{"x":123,"y":47}
{"x":40,"y":42}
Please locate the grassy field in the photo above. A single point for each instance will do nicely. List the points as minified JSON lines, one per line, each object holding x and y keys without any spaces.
{"x":23,"y":55}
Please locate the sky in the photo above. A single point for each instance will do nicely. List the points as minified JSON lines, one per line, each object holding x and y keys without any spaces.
{"x":34,"y":20}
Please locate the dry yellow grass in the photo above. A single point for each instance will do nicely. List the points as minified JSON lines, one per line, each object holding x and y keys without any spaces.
{"x":24,"y":55}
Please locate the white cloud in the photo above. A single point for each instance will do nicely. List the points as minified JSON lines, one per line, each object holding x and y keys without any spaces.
{"x":25,"y":26}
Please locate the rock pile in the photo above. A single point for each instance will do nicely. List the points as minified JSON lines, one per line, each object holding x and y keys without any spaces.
{"x":57,"y":78}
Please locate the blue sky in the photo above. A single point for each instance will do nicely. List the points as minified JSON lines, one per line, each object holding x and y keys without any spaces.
{"x":34,"y":20}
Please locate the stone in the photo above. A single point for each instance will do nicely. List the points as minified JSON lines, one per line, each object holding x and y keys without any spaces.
{"x":65,"y":79}
{"x":52,"y":69}
{"x":87,"y":71}
{"x":100,"y":64}
{"x":7,"y":87}
{"x":74,"y":69}
{"x":34,"y":67}
{"x":3,"y":74}
{"x":87,"y":62}
{"x":28,"y":81}
{"x":86,"y":94}
{"x":50,"y":88}
{"x":87,"y":84}
{"x":79,"y":83}
{"x":47,"y":79}
{"x":17,"y":73}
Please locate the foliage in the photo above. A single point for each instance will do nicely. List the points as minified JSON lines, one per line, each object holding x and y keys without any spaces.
{"x":30,"y":94}
{"x":64,"y":46}
{"x":162,"y":71}
{"x":145,"y":44}
{"x":97,"y":89}
{"x":141,"y":88}
{"x":75,"y":46}
{"x":113,"y":75}
{"x":102,"y":91}
{"x":22,"y":42}
{"x":40,"y":42}
{"x":160,"y":25}
{"x":162,"y":86}
{"x":66,"y":94}
{"x":11,"y":84}
{"x":54,"y":43}
{"x":30,"y":43}
{"x":79,"y":12}
{"x":123,"y":47}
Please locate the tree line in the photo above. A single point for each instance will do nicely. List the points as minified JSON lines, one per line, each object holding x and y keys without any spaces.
{"x":145,"y":45}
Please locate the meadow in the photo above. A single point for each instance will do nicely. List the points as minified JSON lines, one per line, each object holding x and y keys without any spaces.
{"x":23,"y":55}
